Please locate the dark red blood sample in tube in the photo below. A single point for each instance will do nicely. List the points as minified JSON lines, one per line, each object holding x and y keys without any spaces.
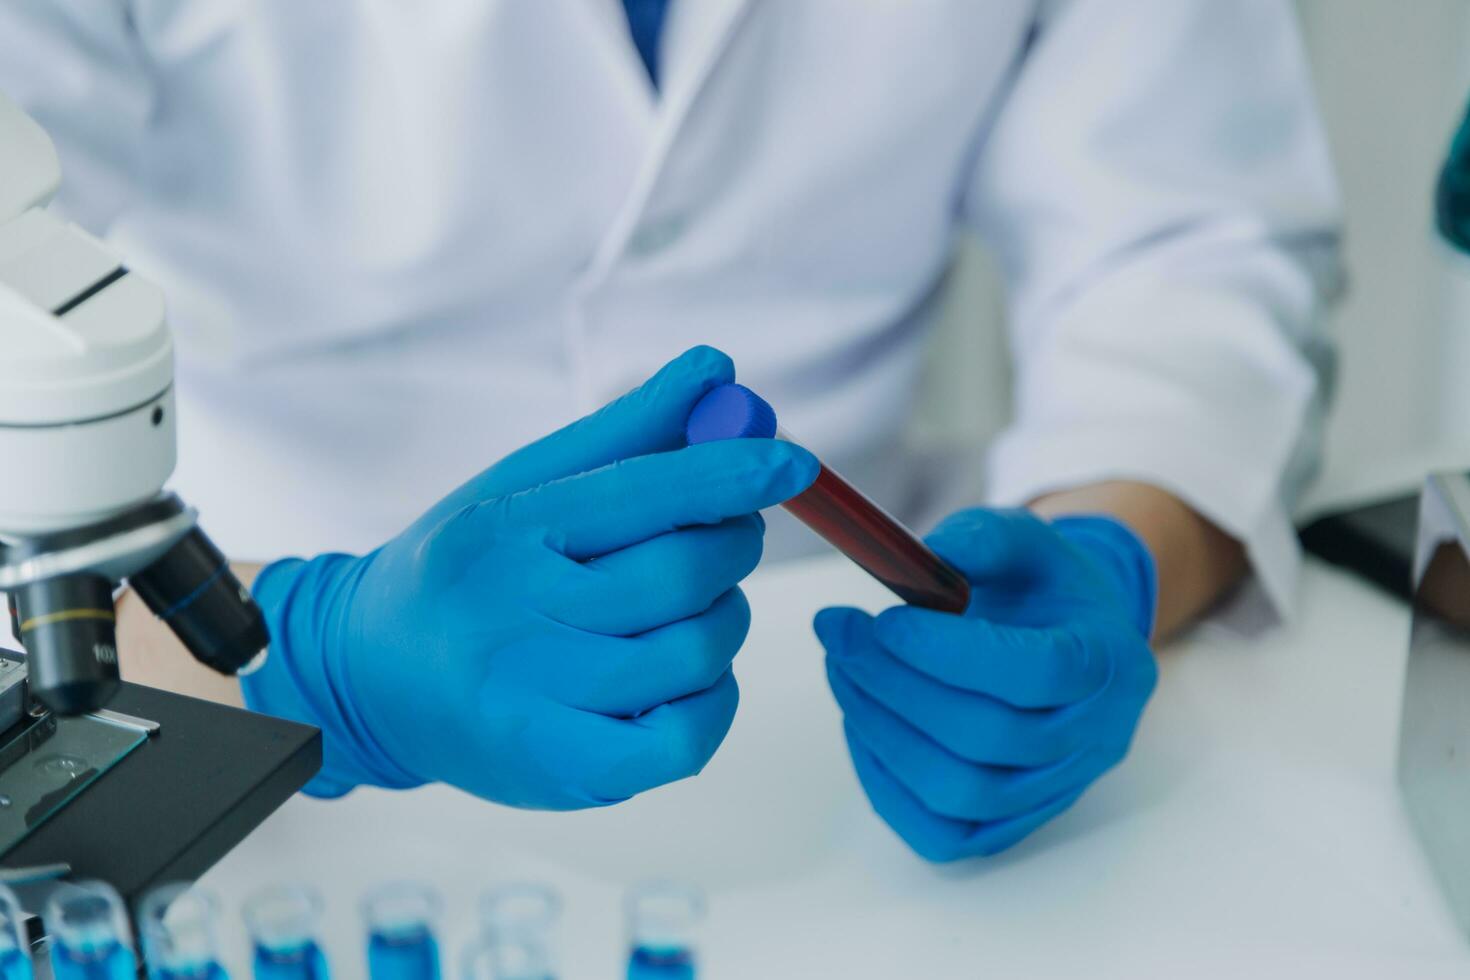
{"x":838,"y":511}
{"x":887,"y":550}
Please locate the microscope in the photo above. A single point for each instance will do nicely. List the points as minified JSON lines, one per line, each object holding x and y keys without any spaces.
{"x":87,"y":436}
{"x":105,"y":778}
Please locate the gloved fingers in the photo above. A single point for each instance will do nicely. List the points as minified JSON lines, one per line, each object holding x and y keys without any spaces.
{"x":649,"y":419}
{"x":940,"y":838}
{"x":947,"y":785}
{"x":625,"y":677}
{"x":656,"y":582}
{"x":1028,"y":667}
{"x":640,"y":498}
{"x":976,"y":727}
{"x":1009,"y":549}
{"x":620,"y":758}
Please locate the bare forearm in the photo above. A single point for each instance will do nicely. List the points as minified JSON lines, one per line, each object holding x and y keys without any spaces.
{"x":151,"y":655}
{"x":1197,"y":562}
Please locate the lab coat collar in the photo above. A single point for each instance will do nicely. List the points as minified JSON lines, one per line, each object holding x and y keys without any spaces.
{"x":696,"y":35}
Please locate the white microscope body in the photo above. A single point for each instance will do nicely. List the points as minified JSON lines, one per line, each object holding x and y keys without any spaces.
{"x":86,"y":444}
{"x":86,"y":360}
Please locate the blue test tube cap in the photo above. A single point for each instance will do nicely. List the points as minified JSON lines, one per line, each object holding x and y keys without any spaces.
{"x":730,"y":411}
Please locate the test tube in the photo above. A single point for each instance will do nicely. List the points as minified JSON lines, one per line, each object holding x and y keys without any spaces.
{"x":90,"y":939}
{"x":179,"y":926}
{"x":518,"y":924}
{"x":662,"y":919}
{"x":837,"y":510}
{"x":283,"y":922}
{"x":400,"y":924}
{"x":15,"y":951}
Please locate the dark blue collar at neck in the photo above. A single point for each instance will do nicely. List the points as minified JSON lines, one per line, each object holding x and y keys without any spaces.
{"x":646,"y":23}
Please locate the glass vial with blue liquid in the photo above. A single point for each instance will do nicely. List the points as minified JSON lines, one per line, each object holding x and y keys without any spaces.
{"x":284,"y":923}
{"x":663,"y":920}
{"x":178,"y":926}
{"x":400,"y":921}
{"x":90,"y":938}
{"x":518,"y":935}
{"x":15,"y":951}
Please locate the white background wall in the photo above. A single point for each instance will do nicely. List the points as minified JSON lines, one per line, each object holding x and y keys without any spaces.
{"x":1393,"y":80}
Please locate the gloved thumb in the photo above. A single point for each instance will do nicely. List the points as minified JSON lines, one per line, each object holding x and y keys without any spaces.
{"x":649,"y":419}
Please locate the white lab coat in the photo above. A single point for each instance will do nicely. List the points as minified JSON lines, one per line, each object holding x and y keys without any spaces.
{"x":401,"y":239}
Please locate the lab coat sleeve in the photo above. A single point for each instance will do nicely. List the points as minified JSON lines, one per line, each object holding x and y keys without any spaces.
{"x":78,"y":70}
{"x":1158,"y":190}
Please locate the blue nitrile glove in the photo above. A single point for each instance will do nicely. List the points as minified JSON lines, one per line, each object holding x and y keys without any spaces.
{"x":558,"y":632}
{"x":968,"y":732}
{"x":1452,"y":195}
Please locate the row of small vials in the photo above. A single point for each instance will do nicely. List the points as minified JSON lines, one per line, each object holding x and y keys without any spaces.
{"x":179,"y":929}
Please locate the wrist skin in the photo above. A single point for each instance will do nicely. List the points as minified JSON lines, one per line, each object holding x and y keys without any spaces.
{"x":1196,"y":562}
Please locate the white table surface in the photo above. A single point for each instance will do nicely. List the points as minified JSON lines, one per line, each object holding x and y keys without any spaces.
{"x":1255,"y":830}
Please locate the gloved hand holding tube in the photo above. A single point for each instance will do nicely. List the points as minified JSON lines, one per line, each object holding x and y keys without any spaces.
{"x":969,"y":732}
{"x":558,"y":632}
{"x":1013,"y":679}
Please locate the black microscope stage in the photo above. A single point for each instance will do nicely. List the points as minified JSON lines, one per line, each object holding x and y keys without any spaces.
{"x":180,"y":801}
